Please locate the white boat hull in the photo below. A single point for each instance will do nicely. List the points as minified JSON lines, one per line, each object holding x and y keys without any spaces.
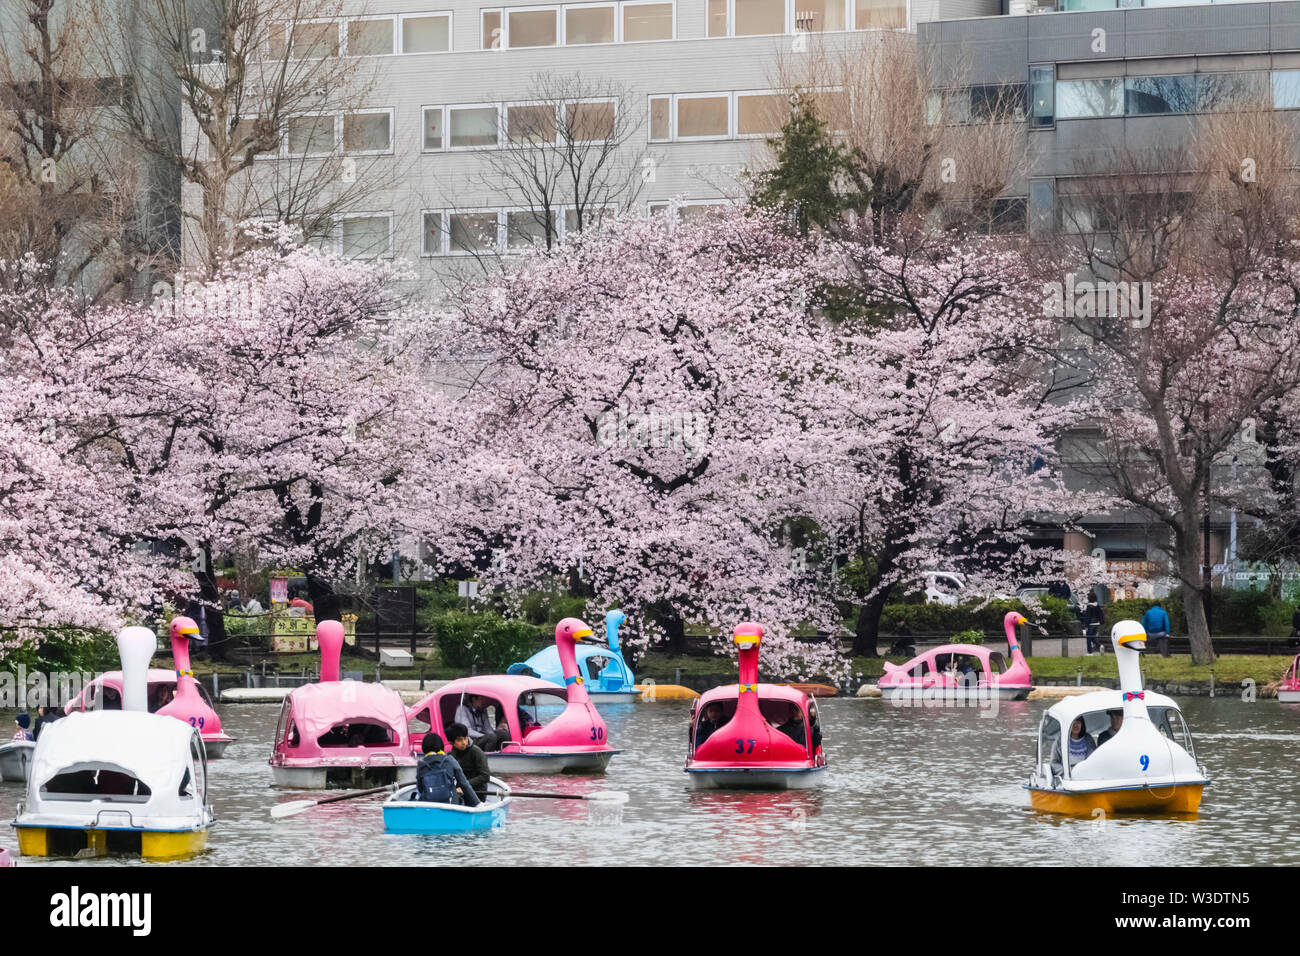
{"x":15,"y":757}
{"x":953,"y":696}
{"x":614,"y":696}
{"x":339,"y":778}
{"x":1289,"y":696}
{"x":216,"y":748}
{"x":550,"y":763}
{"x":758,"y":778}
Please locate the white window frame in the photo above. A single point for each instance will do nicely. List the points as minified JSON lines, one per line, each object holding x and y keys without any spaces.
{"x":503,"y":227}
{"x":346,"y":35}
{"x":793,"y":8}
{"x":505,"y":26}
{"x":285,"y":152}
{"x":451,"y":31}
{"x":853,"y":17}
{"x":735,"y":101}
{"x":564,"y":21}
{"x":730,"y":97}
{"x":338,"y":230}
{"x":672,"y":206}
{"x":446,"y":230}
{"x":338,"y":30}
{"x":788,"y":20}
{"x":613,"y":100}
{"x":369,"y":111}
{"x":446,"y":128}
{"x":562,"y":219}
{"x":501,"y":16}
{"x":646,"y":3}
{"x":672,"y":117}
{"x":503,"y":119}
{"x":443,"y":234}
{"x":445,"y":137}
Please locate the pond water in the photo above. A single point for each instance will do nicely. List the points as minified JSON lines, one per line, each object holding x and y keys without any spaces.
{"x":905,"y":786}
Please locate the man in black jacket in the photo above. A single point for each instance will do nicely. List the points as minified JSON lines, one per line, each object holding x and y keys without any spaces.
{"x":470,"y":756}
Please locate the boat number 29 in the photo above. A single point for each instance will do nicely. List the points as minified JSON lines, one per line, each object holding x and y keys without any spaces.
{"x":1145,"y":761}
{"x":196,"y":722}
{"x":597,"y":733}
{"x":742,"y":744}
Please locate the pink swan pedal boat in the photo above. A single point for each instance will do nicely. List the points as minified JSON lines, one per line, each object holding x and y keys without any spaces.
{"x":173,"y":693}
{"x":1288,"y":692}
{"x":749,"y":750}
{"x":574,"y":741}
{"x":341,"y":734}
{"x":933,"y":675}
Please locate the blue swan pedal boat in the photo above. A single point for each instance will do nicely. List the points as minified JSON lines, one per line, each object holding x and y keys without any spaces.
{"x":608,"y":678}
{"x":405,"y":814}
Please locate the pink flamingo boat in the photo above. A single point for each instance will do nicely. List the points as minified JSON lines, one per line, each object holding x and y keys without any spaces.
{"x":934,"y":674}
{"x":574,"y":741}
{"x":340,"y":733}
{"x":171,"y":693}
{"x":756,"y":745}
{"x":1288,"y":692}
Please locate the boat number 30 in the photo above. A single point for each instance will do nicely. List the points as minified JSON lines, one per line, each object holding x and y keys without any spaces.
{"x":1145,"y":761}
{"x":597,"y":733}
{"x":741,"y":745}
{"x":196,"y":722}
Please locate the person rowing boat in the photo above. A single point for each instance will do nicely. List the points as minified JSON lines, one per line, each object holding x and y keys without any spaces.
{"x":439,"y":778}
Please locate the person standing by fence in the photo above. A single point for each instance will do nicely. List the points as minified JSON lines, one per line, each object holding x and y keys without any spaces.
{"x":1156,"y":623}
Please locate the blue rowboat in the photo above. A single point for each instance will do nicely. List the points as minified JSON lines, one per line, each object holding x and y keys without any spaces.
{"x":404,"y":814}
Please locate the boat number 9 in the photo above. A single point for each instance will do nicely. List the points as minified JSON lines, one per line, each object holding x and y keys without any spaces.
{"x":196,"y":722}
{"x":597,"y":733}
{"x":1145,"y":761}
{"x":740,"y":745}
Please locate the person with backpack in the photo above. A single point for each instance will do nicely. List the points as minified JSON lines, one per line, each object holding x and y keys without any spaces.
{"x":438,"y":777}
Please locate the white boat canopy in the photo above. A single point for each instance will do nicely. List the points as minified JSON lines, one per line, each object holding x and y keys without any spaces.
{"x":1068,"y":708}
{"x":154,"y":763}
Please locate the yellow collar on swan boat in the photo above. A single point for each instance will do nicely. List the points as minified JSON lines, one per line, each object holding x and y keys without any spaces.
{"x":749,"y":688}
{"x":185,"y":673}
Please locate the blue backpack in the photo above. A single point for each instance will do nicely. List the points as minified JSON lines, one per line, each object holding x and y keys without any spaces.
{"x":435,"y":779}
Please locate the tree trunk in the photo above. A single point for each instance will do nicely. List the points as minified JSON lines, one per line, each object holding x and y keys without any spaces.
{"x":1188,"y":548}
{"x":866,"y":635}
{"x":667,"y":617}
{"x":210,"y":595}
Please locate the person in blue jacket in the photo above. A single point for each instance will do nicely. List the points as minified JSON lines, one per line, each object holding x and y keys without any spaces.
{"x":1156,"y":623}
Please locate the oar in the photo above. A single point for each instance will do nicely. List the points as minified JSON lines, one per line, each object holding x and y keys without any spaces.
{"x":282,"y":810}
{"x":611,"y":796}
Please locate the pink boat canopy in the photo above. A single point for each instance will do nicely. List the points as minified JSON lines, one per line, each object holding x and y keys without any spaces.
{"x":341,"y":723}
{"x":748,"y":725}
{"x":941,"y":667}
{"x":578,"y":728}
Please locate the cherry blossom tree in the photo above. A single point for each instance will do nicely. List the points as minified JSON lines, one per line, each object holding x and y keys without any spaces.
{"x":637,"y":405}
{"x":943,"y":419}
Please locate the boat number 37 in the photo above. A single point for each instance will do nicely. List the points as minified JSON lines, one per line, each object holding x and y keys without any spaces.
{"x":597,"y":733}
{"x":196,"y":722}
{"x":742,"y":744}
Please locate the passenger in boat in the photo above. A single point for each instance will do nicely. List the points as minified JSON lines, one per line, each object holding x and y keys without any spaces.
{"x":438,"y":777}
{"x":470,"y":757}
{"x":44,"y":717}
{"x":474,"y":715}
{"x":1116,"y":721}
{"x":794,"y":727}
{"x":709,"y":721}
{"x":1080,"y":743}
{"x":23,"y":722}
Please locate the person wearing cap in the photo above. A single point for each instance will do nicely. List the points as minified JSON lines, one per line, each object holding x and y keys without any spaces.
{"x":438,"y":777}
{"x":470,"y":757}
{"x":1116,"y":721}
{"x":24,"y":721}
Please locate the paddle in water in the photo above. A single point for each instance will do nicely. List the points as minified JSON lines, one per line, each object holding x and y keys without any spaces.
{"x":604,"y":796}
{"x":282,"y":810}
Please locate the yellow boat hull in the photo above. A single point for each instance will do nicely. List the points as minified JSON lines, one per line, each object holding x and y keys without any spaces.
{"x":666,"y":692}
{"x":1181,"y":798}
{"x":154,"y":844}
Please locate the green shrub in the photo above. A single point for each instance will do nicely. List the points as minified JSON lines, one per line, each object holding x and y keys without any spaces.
{"x":484,"y":640}
{"x":973,"y":636}
{"x":941,"y":618}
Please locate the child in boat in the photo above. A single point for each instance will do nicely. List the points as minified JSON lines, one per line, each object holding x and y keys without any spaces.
{"x":23,"y":721}
{"x":471,"y":758}
{"x":710,"y":721}
{"x":438,"y":777}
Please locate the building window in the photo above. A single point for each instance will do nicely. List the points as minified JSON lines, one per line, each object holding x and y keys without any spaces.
{"x":368,"y":132}
{"x":590,"y":122}
{"x":685,"y":210}
{"x":719,"y":20}
{"x":661,"y":119}
{"x":434,"y":235}
{"x":584,"y":25}
{"x":703,"y":116}
{"x":1042,"y":207}
{"x":312,"y":41}
{"x":370,"y":37}
{"x":759,"y":17}
{"x":526,"y":229}
{"x":1286,"y":90}
{"x":493,"y":37}
{"x":879,"y":14}
{"x":531,"y":28}
{"x":761,"y":114}
{"x":647,"y":21}
{"x":1042,"y":96}
{"x":531,"y":124}
{"x":1083,"y":99}
{"x":310,"y":135}
{"x":472,"y":126}
{"x":426,"y":33}
{"x":470,"y":233}
{"x":433,"y":127}
{"x":366,"y":236}
{"x":820,"y":16}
